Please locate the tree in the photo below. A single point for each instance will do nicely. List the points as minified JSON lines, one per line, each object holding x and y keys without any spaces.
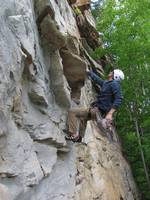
{"x":126,"y":37}
{"x":95,"y":5}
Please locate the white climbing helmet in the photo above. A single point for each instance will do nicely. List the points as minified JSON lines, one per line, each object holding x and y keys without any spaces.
{"x":118,"y":75}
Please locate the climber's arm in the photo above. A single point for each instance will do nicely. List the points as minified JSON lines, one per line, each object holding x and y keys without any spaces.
{"x":116,"y":90}
{"x":95,"y":78}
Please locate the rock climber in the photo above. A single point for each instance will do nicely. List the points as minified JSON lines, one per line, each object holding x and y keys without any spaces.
{"x":108,"y":101}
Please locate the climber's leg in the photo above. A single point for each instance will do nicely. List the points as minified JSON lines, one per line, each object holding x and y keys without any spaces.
{"x":82,"y":128}
{"x":74,"y":122}
{"x":90,"y":115}
{"x":94,"y":111}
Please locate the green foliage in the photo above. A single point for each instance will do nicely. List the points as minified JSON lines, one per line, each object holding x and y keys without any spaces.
{"x":95,"y":5}
{"x":99,"y":52}
{"x":126,"y":37}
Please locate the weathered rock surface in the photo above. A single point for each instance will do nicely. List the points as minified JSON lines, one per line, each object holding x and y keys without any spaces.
{"x":42,"y":68}
{"x":4,"y":194}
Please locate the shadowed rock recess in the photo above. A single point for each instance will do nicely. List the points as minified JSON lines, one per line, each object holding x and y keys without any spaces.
{"x":42,"y":70}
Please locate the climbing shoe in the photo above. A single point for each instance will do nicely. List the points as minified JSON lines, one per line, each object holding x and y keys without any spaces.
{"x":74,"y":139}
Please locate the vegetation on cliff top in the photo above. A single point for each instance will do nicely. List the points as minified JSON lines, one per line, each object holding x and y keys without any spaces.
{"x":125,"y":29}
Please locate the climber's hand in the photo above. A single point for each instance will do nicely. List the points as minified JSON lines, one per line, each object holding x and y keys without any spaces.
{"x":109,"y":117}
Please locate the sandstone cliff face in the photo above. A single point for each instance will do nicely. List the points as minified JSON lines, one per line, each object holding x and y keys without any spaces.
{"x":42,"y":70}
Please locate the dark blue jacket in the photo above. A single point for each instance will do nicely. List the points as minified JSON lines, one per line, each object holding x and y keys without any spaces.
{"x":110,"y":94}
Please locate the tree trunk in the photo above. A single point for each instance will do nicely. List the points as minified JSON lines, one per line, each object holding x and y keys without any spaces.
{"x":142,"y":153}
